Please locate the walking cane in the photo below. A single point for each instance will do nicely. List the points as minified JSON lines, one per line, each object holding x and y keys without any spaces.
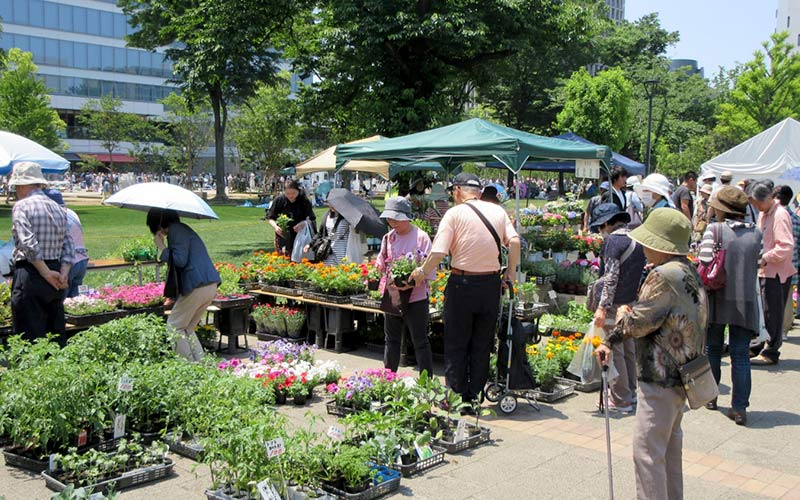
{"x":604,"y":399}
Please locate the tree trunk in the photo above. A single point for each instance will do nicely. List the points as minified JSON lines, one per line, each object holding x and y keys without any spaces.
{"x":215,"y":94}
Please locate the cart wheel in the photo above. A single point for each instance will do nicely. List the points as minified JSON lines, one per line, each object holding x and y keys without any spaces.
{"x":493,"y":392}
{"x":508,"y":403}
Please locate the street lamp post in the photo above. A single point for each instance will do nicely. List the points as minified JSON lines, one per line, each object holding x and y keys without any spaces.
{"x":649,"y":90}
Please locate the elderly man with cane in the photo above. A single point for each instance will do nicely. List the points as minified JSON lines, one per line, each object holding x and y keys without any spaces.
{"x":668,"y":322}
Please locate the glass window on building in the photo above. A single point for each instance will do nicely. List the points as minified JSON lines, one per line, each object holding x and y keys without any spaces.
{"x":79,"y":87}
{"x":53,"y":83}
{"x":144,"y":63}
{"x":133,"y":62}
{"x":106,"y":88}
{"x":22,"y":42}
{"x":51,"y":15}
{"x":80,"y":58}
{"x":37,"y":48}
{"x":120,"y":25}
{"x":65,"y":50}
{"x":119,"y":60}
{"x":107,"y":58}
{"x":65,"y":17}
{"x":36,"y":13}
{"x":51,"y":54}
{"x":7,"y":11}
{"x":6,"y":42}
{"x":107,"y":24}
{"x":143,"y":93}
{"x":79,"y":19}
{"x":94,"y":58}
{"x":20,"y":12}
{"x":93,"y":21}
{"x":92,"y":88}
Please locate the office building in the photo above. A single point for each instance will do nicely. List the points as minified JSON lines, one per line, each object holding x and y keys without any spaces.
{"x":616,"y":10}
{"x":787,"y":18}
{"x":80,"y":50}
{"x":689,"y":66}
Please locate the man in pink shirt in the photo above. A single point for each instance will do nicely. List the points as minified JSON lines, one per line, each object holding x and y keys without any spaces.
{"x":472,"y":296}
{"x":775,"y":269}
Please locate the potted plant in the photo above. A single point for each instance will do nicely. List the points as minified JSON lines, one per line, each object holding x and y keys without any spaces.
{"x":294,"y":319}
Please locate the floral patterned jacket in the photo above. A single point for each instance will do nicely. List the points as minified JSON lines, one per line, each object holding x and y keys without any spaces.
{"x":668,"y":322}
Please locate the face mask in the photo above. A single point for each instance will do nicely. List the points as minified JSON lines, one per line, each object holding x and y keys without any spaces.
{"x":647,"y":198}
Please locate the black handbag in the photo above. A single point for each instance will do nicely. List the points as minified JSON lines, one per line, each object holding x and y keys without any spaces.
{"x":323,"y":245}
{"x":172,"y":287}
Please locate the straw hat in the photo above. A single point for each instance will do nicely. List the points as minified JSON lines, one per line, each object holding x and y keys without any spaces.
{"x":666,"y":230}
{"x":730,"y":199}
{"x":26,"y":173}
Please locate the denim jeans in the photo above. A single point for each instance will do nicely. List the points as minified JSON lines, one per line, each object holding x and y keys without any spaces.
{"x":76,"y":275}
{"x":738,"y":343}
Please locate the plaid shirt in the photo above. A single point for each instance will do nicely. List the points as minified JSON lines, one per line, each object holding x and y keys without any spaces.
{"x":39,"y":227}
{"x":796,"y":234}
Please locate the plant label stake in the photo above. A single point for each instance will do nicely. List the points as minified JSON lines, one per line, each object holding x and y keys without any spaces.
{"x":83,"y":289}
{"x":275,"y":448}
{"x":52,"y":464}
{"x":267,"y":491}
{"x":119,"y":426}
{"x":536,"y":297}
{"x":335,"y":433}
{"x":461,"y":431}
{"x":82,"y":438}
{"x":125,"y":383}
{"x":552,"y":294}
{"x":590,"y":255}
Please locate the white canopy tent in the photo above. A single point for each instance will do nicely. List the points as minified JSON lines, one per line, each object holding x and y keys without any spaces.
{"x":325,"y":161}
{"x":768,"y":155}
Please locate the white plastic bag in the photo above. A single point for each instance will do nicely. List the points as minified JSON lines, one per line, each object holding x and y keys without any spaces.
{"x":763,"y":333}
{"x":303,"y":239}
{"x":584,"y":364}
{"x":354,"y":252}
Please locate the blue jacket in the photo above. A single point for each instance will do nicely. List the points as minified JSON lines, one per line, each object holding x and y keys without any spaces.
{"x":190,"y":258}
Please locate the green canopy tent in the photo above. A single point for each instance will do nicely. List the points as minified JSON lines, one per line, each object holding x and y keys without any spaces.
{"x":472,"y":140}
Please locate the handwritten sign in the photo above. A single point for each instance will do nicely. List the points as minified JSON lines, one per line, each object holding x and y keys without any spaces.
{"x":335,"y":432}
{"x":267,"y":491}
{"x":275,"y":448}
{"x":125,"y":383}
{"x":552,"y":294}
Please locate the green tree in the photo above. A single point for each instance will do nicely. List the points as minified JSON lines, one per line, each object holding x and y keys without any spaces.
{"x":597,"y":107}
{"x":189,"y":129}
{"x":220,"y":50}
{"x":24,"y":103}
{"x":266,"y":128}
{"x":561,"y":40}
{"x":398,"y":66}
{"x":641,"y":43}
{"x":105,"y":122}
{"x":766,"y":92}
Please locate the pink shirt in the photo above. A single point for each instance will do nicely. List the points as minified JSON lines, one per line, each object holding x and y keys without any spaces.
{"x":397,"y":245}
{"x":464,"y":236}
{"x":778,"y":243}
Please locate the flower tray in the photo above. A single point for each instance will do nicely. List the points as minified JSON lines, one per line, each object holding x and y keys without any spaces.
{"x":268,"y":337}
{"x":283,"y":290}
{"x":33,"y":464}
{"x":232,"y":303}
{"x":125,"y":480}
{"x":436,"y":314}
{"x":157,"y":310}
{"x":579,"y":386}
{"x":94,"y":319}
{"x":390,"y":483}
{"x":300,"y":284}
{"x":324,"y":297}
{"x":421,"y":465}
{"x":189,"y":449}
{"x":342,"y":411}
{"x":560,"y":391}
{"x":471,"y":442}
{"x":366,"y":301}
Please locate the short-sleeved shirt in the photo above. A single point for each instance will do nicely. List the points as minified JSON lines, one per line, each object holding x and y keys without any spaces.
{"x":463,"y":235}
{"x":682,"y":193}
{"x":298,"y":210}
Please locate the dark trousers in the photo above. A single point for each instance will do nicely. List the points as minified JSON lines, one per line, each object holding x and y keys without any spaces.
{"x":36,"y":307}
{"x":471,"y":306}
{"x":415,"y":322}
{"x":739,"y":345}
{"x":774,"y":295}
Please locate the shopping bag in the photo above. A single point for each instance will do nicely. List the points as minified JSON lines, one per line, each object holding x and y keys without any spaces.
{"x":303,"y":238}
{"x":585,"y":364}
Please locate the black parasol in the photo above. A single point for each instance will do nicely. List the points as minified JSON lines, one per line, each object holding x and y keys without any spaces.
{"x":358,"y":212}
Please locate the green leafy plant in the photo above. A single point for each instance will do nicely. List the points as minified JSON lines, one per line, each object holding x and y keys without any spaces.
{"x":137,"y":249}
{"x":284,"y":222}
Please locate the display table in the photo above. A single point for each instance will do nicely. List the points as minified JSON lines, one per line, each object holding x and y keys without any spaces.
{"x":232,"y":319}
{"x":113,"y":264}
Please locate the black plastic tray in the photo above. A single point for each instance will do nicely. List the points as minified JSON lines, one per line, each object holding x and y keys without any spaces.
{"x":126,"y":480}
{"x":421,"y":465}
{"x":324,"y":297}
{"x":471,"y":442}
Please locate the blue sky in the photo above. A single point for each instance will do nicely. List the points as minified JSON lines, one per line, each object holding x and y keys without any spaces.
{"x":714,"y":32}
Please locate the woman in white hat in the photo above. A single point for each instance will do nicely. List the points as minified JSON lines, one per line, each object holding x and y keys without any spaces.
{"x":655,"y":192}
{"x":633,"y":204}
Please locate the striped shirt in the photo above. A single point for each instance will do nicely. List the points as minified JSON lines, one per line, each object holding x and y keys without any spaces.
{"x":39,"y":228}
{"x":338,"y":240}
{"x":796,"y":234}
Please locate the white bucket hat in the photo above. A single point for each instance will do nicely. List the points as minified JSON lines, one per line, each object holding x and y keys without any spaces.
{"x":26,"y":173}
{"x":658,"y":184}
{"x":633,"y":181}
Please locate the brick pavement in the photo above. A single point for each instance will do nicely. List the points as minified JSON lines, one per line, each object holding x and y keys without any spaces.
{"x":559,"y":453}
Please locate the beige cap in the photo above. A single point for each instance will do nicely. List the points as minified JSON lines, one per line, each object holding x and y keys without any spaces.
{"x":26,"y":173}
{"x":706,"y":188}
{"x":726,"y":176}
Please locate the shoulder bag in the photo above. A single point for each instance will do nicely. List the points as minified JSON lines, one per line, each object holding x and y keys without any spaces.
{"x":713,"y":273}
{"x":595,"y":290}
{"x":172,"y":287}
{"x":323,"y":245}
{"x":492,"y":230}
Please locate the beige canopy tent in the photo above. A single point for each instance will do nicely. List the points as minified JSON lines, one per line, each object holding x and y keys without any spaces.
{"x":325,"y":161}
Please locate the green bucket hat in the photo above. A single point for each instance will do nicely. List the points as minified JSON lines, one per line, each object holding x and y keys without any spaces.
{"x":666,"y":230}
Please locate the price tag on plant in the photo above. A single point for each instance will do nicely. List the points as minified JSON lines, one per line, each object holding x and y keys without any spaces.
{"x":82,"y":438}
{"x":336,"y":433}
{"x":423,"y":451}
{"x":590,"y":255}
{"x":83,"y":289}
{"x":119,"y":426}
{"x":267,"y":491}
{"x":125,"y":383}
{"x":552,"y":294}
{"x":374,"y":405}
{"x":275,"y":448}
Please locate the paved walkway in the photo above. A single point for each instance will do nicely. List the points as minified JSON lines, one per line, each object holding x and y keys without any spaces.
{"x":559,"y":453}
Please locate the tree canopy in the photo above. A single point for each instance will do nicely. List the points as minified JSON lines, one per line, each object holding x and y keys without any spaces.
{"x":24,"y":104}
